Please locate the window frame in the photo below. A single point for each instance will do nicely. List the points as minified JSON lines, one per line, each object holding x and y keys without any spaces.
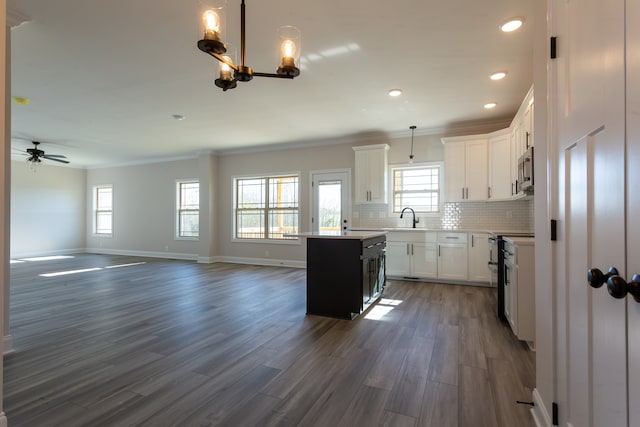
{"x":180,"y":210}
{"x":409,"y":166}
{"x":97,"y":210}
{"x":266,"y":209}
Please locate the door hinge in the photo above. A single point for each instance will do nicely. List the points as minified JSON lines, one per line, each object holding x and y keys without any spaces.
{"x":552,"y":47}
{"x":554,"y":230}
{"x":554,"y":413}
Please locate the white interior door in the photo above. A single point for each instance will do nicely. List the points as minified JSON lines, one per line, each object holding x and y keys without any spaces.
{"x":590,"y":119}
{"x":331,"y":201}
{"x":633,"y":203}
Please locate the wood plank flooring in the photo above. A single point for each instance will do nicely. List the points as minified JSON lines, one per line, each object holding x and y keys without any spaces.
{"x":175,"y":343}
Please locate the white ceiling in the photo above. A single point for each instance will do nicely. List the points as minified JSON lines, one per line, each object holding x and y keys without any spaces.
{"x":104,"y":78}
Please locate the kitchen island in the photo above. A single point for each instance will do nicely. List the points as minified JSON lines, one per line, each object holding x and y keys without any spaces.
{"x":345,"y":272}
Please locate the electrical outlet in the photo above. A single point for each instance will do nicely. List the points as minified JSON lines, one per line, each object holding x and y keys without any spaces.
{"x":166,"y":248}
{"x":266,"y":253}
{"x":509,"y":214}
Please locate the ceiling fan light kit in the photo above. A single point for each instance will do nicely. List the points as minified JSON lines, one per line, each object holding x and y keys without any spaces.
{"x":36,"y":154}
{"x":212,"y":21}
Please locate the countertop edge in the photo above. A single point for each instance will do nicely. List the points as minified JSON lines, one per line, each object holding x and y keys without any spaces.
{"x":351,"y":234}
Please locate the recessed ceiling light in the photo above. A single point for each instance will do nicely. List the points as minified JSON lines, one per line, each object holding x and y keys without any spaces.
{"x":178,"y":116}
{"x":498,"y":76}
{"x":512,"y":24}
{"x":395,"y":92}
{"x":490,"y":105}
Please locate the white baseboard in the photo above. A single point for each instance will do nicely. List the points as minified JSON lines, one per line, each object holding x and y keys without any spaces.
{"x":263,"y":261}
{"x":208,"y":260}
{"x":539,"y":411}
{"x":148,"y":254}
{"x":3,"y":420}
{"x":7,"y":344}
{"x":21,"y":255}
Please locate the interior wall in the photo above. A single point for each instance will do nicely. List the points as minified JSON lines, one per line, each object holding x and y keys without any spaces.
{"x":47,"y":209}
{"x":144,"y":206}
{"x":301,"y":160}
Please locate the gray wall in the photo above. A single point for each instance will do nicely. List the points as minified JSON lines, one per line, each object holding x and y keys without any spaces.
{"x":47,"y":209}
{"x":144,"y":203}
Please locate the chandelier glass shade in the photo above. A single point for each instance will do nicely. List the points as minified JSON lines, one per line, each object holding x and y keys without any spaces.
{"x":213,"y":25}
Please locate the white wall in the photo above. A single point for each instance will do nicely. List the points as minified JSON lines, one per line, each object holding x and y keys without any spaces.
{"x":144,"y":203}
{"x":47,"y":209}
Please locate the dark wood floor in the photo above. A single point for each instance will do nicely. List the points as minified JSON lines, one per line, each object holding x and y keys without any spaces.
{"x":178,"y":343}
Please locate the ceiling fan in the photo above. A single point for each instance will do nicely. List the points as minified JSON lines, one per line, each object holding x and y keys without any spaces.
{"x":35,"y":154}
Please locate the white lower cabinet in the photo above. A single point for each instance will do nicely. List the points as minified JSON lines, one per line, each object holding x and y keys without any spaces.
{"x":412,"y":254}
{"x":455,"y":256}
{"x":479,"y":257}
{"x":452,"y":256}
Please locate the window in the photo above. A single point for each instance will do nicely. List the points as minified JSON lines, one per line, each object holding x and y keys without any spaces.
{"x":103,"y":202}
{"x":417,"y":187}
{"x":188,"y":212}
{"x":266,"y":207}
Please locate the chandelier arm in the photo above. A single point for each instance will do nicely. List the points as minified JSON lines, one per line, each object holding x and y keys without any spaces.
{"x":280,"y":76}
{"x":224,"y":59}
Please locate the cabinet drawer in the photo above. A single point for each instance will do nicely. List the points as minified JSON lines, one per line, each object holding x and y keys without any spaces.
{"x":452,"y":237}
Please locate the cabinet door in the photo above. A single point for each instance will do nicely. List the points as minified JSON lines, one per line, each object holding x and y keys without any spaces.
{"x":425,"y":259}
{"x":527,"y":126}
{"x":509,"y":296}
{"x":371,"y":174}
{"x":454,"y":169}
{"x":500,"y":167}
{"x":479,"y":258}
{"x":361,"y":177}
{"x":377,"y":172}
{"x":398,"y":259}
{"x":452,"y":261}
{"x":476,"y":170}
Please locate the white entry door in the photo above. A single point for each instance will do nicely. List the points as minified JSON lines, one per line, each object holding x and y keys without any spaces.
{"x":593,"y":363}
{"x":331,"y":200}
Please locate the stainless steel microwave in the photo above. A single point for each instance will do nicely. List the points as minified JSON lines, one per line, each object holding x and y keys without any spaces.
{"x":525,"y":171}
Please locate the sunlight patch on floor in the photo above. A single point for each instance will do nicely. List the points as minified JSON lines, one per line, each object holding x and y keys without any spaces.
{"x":382,"y":308}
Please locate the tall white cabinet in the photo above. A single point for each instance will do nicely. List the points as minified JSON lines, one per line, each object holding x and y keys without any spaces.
{"x":371,"y":173}
{"x":465,"y":161}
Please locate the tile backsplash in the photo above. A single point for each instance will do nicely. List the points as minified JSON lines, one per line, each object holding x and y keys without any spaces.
{"x":515,"y":215}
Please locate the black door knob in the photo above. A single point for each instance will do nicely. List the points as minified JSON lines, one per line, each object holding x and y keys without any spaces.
{"x":618,"y":287}
{"x":597,"y":278}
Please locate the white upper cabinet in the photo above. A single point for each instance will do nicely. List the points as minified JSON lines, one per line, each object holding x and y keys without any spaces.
{"x":371,"y":173}
{"x":500,"y":166}
{"x":465,"y":163}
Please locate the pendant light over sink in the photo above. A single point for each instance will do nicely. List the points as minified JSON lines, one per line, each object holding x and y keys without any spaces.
{"x":213,"y":27}
{"x":413,"y":128}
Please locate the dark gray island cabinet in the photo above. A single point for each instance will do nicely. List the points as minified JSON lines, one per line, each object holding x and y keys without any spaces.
{"x":345,"y":272}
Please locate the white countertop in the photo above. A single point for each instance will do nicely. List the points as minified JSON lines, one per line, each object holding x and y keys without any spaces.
{"x":351,"y":234}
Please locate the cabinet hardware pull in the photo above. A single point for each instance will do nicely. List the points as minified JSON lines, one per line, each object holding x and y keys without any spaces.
{"x":438,"y":250}
{"x":407,"y":249}
{"x":472,"y":243}
{"x":463,"y":192}
{"x":412,"y":249}
{"x":452,"y":237}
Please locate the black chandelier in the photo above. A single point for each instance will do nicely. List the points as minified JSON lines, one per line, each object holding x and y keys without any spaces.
{"x":213,"y":13}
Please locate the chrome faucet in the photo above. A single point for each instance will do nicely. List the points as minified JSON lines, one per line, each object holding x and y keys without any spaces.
{"x":415,"y":221}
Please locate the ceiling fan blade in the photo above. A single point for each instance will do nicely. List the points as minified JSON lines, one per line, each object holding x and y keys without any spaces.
{"x":56,"y":155}
{"x":46,"y":156}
